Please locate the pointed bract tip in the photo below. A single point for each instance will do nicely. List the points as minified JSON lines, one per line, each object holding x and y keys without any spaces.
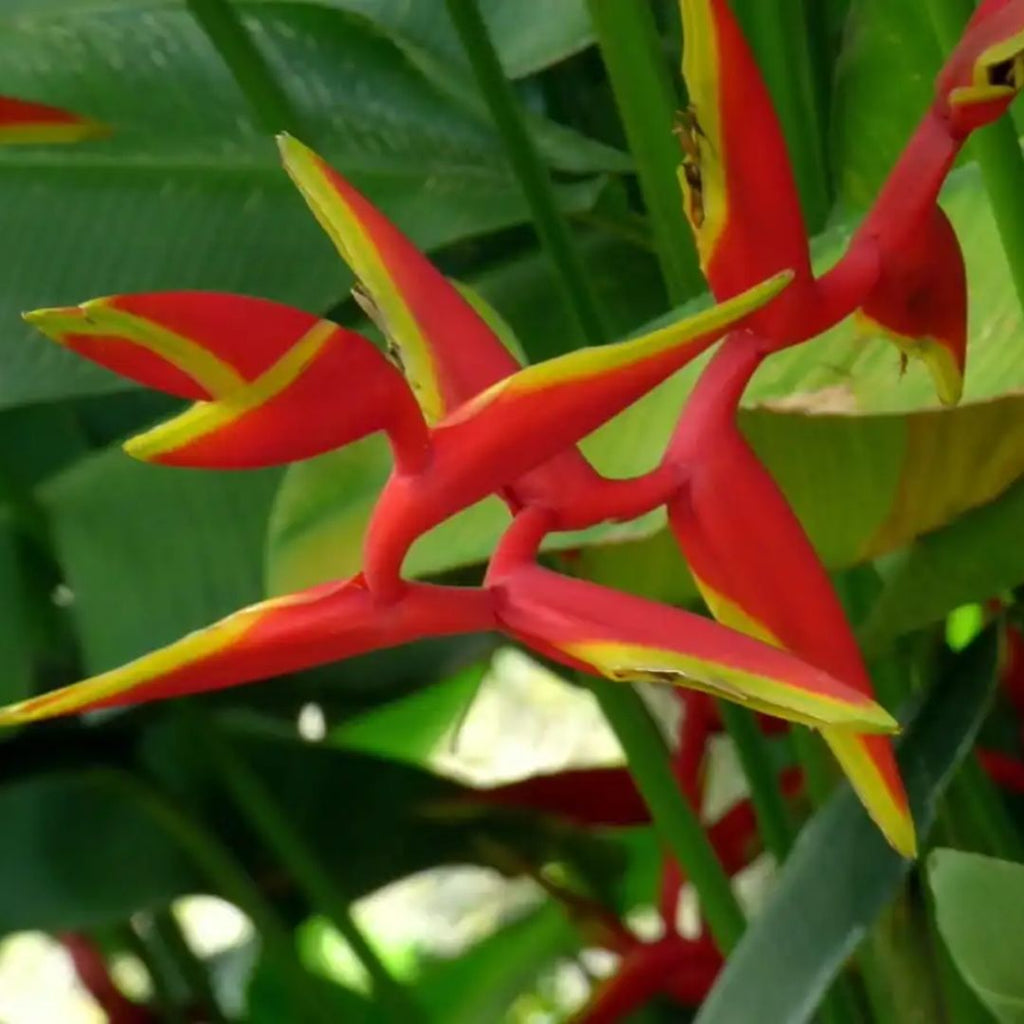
{"x":876,"y":719}
{"x":12,"y":716}
{"x":291,"y":149}
{"x":90,"y":129}
{"x":143,"y":447}
{"x":44,"y":133}
{"x":771,"y":286}
{"x":902,"y":836}
{"x":54,"y":321}
{"x":986,"y":70}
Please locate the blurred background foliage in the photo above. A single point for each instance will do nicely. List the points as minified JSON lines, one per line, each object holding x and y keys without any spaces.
{"x":335,"y":809}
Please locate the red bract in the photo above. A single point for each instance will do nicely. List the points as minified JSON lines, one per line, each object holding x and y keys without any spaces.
{"x":263,"y":377}
{"x":758,"y":572}
{"x":284,"y":634}
{"x":31,"y":123}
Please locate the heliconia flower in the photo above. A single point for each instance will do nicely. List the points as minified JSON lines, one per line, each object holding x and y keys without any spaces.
{"x":758,"y":573}
{"x":31,"y":123}
{"x":630,"y":639}
{"x":549,"y":406}
{"x":272,"y":384}
{"x":285,"y":634}
{"x":904,"y":267}
{"x":920,"y":299}
{"x":986,"y":70}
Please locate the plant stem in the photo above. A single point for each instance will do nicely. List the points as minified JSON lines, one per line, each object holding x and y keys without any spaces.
{"x":127,"y":936}
{"x":252,"y":74}
{"x":777,"y":31}
{"x":997,"y":150}
{"x":277,"y":831}
{"x":675,"y":822}
{"x":770,"y":808}
{"x":533,"y":176}
{"x":630,"y":47}
{"x":190,"y":968}
{"x":230,"y":880}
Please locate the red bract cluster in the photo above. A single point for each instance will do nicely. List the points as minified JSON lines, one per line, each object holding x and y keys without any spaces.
{"x":272,"y":385}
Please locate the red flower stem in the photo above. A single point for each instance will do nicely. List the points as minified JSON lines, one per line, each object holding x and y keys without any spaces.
{"x":913,"y":185}
{"x":678,"y":967}
{"x":687,"y":764}
{"x":520,"y":542}
{"x":620,"y":501}
{"x":93,"y":973}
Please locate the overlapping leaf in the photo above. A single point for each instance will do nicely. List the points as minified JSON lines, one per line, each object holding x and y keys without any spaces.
{"x":785,"y":970}
{"x":62,"y":829}
{"x":190,"y":193}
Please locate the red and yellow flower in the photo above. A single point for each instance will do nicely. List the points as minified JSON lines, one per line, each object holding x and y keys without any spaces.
{"x":270,"y":385}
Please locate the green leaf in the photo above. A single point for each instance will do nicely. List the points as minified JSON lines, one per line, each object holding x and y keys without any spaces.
{"x":269,"y":999}
{"x":482,"y":983}
{"x":150,"y":553}
{"x":15,"y":649}
{"x":841,"y":873}
{"x":411,"y":728}
{"x":187,"y":193}
{"x":87,"y":850}
{"x":83,"y":853}
{"x":325,"y":790}
{"x":525,"y":45}
{"x":883,"y":86}
{"x":977,"y":899}
{"x":973,"y":559}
